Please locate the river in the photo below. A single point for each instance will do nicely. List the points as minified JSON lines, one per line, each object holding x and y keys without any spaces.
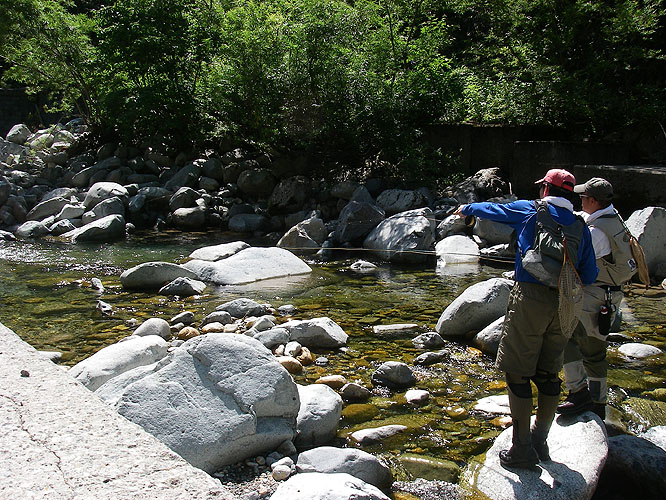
{"x":47,"y":297}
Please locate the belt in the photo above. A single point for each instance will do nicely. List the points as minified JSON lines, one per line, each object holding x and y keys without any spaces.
{"x":611,"y":288}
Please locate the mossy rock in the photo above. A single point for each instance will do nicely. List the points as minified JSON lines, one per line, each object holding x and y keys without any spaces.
{"x":430,"y":468}
{"x":645,"y":412}
{"x":657,"y":394}
{"x":357,"y":413}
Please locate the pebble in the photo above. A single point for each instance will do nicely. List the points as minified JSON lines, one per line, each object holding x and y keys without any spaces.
{"x":245,"y":482}
{"x":281,"y":472}
{"x":429,"y":490}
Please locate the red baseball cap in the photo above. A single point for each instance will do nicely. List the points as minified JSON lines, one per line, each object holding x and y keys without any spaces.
{"x":559,"y":178}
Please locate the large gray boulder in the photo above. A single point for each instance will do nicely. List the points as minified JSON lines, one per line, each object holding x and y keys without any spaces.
{"x":183,"y":287}
{"x":31,"y":229}
{"x":297,"y":240}
{"x":101,"y":191}
{"x":649,"y":227}
{"x":109,"y":228}
{"x":110,"y":206}
{"x":318,"y":416}
{"x":189,"y":219}
{"x":320,"y":486}
{"x":316,"y":332}
{"x":394,"y":375}
{"x":306,"y":236}
{"x":249,"y":265}
{"x":272,"y":337}
{"x":247,"y":223}
{"x":456,"y":249}
{"x":71,"y":211}
{"x":118,"y":358}
{"x":258,"y":182}
{"x":407,"y":237}
{"x":475,"y":308}
{"x":100,"y":169}
{"x":634,"y":464}
{"x":489,"y":338}
{"x":219,"y":399}
{"x":154,"y":326}
{"x":241,"y":307}
{"x":52,"y":206}
{"x":290,"y":194}
{"x":578,"y":450}
{"x":486,"y":183}
{"x":394,"y":201}
{"x":18,"y":134}
{"x":494,"y":233}
{"x":185,"y":197}
{"x":357,"y":463}
{"x":153,"y":275}
{"x":187,"y":176}
{"x":356,"y":220}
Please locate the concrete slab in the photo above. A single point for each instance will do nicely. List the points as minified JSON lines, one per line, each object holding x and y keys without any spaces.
{"x":59,"y":440}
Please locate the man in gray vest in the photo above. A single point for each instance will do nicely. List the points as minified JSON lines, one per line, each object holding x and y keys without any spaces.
{"x":585,"y":364}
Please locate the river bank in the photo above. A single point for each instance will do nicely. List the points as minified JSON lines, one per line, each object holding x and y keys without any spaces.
{"x":49,"y":451}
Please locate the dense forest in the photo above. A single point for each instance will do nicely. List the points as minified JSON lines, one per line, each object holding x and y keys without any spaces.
{"x":354,"y":79}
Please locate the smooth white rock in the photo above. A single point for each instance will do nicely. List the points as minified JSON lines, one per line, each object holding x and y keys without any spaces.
{"x":578,"y":450}
{"x":319,"y":486}
{"x":475,"y":308}
{"x":118,"y":358}
{"x":249,"y":265}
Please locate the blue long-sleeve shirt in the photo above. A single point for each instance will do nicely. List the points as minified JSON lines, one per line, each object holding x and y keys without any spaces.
{"x":521,"y":216}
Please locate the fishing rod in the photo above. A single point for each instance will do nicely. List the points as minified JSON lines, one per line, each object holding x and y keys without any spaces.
{"x":410,"y":251}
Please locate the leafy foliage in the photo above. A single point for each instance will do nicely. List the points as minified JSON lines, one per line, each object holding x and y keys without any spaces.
{"x":358,"y":80}
{"x":46,"y":48}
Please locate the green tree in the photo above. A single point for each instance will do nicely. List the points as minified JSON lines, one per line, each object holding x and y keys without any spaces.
{"x":46,"y":48}
{"x":153,"y":57}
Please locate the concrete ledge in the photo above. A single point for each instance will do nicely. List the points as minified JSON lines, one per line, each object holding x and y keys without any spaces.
{"x":635,"y":186}
{"x":59,"y":440}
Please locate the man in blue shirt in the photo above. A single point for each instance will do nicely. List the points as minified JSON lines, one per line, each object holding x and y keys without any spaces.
{"x":533,"y":342}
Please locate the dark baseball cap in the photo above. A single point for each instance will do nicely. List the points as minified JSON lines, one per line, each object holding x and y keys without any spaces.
{"x":597,"y":188}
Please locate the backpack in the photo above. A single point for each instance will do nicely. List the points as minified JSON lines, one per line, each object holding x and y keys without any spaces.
{"x":553,"y":242}
{"x":620,"y":265}
{"x":628,"y":255}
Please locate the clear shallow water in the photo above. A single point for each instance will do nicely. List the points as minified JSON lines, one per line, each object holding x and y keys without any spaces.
{"x":46,"y":297}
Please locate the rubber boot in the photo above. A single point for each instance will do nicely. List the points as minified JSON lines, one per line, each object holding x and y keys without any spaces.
{"x":521,"y":454}
{"x":598,"y":393}
{"x":544,"y":419}
{"x":576,"y":402}
{"x":600,"y":409}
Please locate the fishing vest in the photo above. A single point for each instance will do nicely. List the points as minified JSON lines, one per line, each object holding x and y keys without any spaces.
{"x":619,"y":266}
{"x":544,"y":260}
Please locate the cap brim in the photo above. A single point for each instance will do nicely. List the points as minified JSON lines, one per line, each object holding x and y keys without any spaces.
{"x":579,"y":188}
{"x":540,"y":181}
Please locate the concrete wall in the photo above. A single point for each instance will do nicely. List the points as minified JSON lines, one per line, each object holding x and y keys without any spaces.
{"x":526,"y":153}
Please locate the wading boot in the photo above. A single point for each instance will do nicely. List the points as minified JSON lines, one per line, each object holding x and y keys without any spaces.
{"x":599,"y":409}
{"x":521,"y":454}
{"x":576,"y":402}
{"x":544,"y":419}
